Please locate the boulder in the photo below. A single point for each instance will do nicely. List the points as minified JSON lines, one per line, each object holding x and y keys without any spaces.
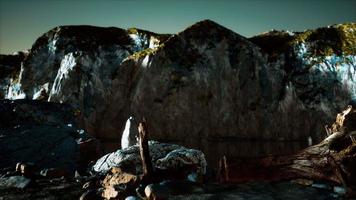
{"x":40,"y":133}
{"x":164,"y":156}
{"x":46,"y":146}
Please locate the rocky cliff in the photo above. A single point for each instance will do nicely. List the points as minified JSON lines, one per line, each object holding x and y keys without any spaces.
{"x":204,"y":86}
{"x":10,"y":66}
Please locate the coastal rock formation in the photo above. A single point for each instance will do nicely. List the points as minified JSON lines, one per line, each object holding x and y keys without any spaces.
{"x":202,"y":86}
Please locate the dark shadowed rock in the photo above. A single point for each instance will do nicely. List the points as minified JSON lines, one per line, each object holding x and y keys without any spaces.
{"x":90,"y":195}
{"x":55,"y":173}
{"x":14,"y":182}
{"x":28,"y":170}
{"x":40,"y":133}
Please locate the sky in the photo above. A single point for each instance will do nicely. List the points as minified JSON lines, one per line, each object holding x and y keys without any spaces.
{"x":23,"y":21}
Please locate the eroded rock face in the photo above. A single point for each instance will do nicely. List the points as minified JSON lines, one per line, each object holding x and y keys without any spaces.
{"x":200,"y":87}
{"x":164,"y":156}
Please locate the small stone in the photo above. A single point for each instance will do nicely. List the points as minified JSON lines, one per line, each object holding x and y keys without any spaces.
{"x":156,"y":192}
{"x":77,"y":175}
{"x":18,"y":167}
{"x":340,"y":190}
{"x":194,"y":177}
{"x":109,"y":192}
{"x":28,"y":169}
{"x":321,"y":186}
{"x":117,"y":176}
{"x":131,"y":198}
{"x":15,"y":182}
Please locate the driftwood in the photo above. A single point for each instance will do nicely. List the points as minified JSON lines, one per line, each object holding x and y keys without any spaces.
{"x":118,"y":183}
{"x":151,"y":174}
{"x":144,"y":151}
{"x":334,"y":159}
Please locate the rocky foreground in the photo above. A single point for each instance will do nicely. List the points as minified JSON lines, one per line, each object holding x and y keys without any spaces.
{"x":62,"y":168}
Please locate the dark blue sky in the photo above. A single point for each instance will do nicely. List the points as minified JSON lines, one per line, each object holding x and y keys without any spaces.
{"x":23,"y":21}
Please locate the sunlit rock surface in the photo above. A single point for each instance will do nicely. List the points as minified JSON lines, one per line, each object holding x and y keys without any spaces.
{"x":130,"y":135}
{"x":10,"y":66}
{"x":205,"y":86}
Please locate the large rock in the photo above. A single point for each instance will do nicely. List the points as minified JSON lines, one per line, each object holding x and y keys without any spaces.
{"x":164,"y":156}
{"x":205,"y":86}
{"x":76,"y":65}
{"x":40,"y":133}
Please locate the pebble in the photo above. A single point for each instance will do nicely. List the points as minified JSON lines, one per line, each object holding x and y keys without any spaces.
{"x":131,"y":198}
{"x":156,"y":192}
{"x":340,"y":190}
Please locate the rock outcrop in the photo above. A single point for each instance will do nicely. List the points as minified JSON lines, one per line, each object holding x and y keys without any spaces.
{"x":164,"y":156}
{"x":203,"y":86}
{"x":40,"y":133}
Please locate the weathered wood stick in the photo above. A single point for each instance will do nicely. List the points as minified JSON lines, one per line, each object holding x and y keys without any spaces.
{"x":144,"y":151}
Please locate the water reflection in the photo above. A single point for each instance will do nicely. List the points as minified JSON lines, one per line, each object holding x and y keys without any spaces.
{"x":230,"y":148}
{"x":214,"y":149}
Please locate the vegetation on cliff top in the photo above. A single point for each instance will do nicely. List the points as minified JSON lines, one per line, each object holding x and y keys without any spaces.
{"x":337,"y":39}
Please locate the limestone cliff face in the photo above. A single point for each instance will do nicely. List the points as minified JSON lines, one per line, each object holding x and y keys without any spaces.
{"x":201,"y":86}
